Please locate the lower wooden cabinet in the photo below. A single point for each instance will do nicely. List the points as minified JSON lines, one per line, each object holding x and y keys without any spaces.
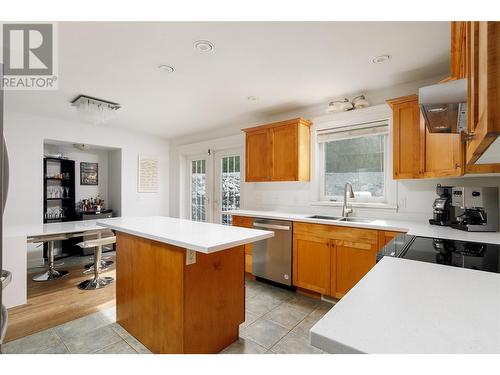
{"x":246,"y":222}
{"x":330,"y":260}
{"x":352,"y":261}
{"x":385,"y":236}
{"x":311,"y":263}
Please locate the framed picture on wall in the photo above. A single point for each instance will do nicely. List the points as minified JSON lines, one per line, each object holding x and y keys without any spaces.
{"x":89,"y":173}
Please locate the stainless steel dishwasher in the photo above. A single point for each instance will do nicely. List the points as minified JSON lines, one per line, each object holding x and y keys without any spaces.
{"x":272,"y":258}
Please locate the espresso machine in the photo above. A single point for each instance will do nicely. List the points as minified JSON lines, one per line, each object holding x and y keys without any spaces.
{"x":480,"y":208}
{"x":443,"y":212}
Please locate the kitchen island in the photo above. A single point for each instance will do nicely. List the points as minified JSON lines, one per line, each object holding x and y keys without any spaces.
{"x":180,"y":284}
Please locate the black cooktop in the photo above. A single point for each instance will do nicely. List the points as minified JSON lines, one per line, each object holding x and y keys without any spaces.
{"x":473,"y":255}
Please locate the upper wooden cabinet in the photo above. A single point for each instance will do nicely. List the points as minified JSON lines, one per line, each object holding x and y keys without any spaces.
{"x":483,"y":96}
{"x":475,"y":55}
{"x":407,"y":136}
{"x":258,"y":155}
{"x":458,"y":63}
{"x":418,"y":153}
{"x":278,"y":152}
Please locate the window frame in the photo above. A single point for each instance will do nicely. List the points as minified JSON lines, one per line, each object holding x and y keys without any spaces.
{"x":335,"y":199}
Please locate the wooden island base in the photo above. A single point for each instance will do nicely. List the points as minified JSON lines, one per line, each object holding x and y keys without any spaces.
{"x":172,"y":307}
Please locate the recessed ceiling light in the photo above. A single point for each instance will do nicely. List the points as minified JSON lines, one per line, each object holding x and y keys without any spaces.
{"x":204,"y":46}
{"x":166,"y":68}
{"x":381,"y":59}
{"x":252,"y":98}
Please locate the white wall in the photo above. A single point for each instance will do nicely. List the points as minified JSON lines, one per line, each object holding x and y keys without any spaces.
{"x":25,"y":134}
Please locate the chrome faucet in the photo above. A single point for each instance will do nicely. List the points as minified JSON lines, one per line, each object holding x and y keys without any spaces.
{"x":346,"y":210}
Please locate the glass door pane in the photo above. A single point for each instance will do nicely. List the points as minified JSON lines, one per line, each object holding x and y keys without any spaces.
{"x":230,"y":178}
{"x":199,"y":191}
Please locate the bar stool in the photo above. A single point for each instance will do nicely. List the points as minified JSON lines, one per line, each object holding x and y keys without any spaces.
{"x":97,"y":282}
{"x":106,"y":261}
{"x":51,"y":273}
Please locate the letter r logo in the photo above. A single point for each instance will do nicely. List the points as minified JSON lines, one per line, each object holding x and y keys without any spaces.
{"x":28,"y":49}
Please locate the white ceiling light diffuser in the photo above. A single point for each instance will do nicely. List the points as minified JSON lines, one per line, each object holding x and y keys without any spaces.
{"x":345,"y":104}
{"x":381,"y":59}
{"x":96,"y":111}
{"x":166,"y":68}
{"x":204,"y":46}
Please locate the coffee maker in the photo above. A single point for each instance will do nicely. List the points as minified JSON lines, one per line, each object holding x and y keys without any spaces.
{"x":443,"y":213}
{"x":480,"y":208}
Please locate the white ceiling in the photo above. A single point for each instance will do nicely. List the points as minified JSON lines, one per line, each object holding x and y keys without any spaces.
{"x":287,"y":65}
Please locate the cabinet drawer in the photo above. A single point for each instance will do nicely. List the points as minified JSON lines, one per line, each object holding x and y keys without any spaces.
{"x":337,"y":232}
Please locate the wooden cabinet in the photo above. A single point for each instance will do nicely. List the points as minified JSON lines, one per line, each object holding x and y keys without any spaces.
{"x":407,"y":137}
{"x":258,"y":158}
{"x":329,"y":259}
{"x":418,"y":153}
{"x":352,"y":261}
{"x":385,"y":236}
{"x":278,"y":151}
{"x":458,"y":63}
{"x":311,"y":263}
{"x":483,"y":96}
{"x":245,"y":222}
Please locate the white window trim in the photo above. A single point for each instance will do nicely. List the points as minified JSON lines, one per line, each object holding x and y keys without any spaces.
{"x":354,"y":118}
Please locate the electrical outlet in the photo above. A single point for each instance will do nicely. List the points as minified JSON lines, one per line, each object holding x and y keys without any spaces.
{"x":190,"y":257}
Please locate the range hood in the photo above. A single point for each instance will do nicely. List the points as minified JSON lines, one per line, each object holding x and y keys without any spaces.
{"x":444,"y":106}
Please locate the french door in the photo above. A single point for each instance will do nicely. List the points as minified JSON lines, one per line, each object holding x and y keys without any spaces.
{"x":214,"y":183}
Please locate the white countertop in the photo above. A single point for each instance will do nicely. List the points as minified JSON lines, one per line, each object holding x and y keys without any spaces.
{"x":192,"y":235}
{"x":415,"y":228}
{"x":36,"y":230}
{"x":406,"y":306}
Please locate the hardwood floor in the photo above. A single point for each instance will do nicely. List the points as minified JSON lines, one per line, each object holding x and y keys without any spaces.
{"x":56,"y":302}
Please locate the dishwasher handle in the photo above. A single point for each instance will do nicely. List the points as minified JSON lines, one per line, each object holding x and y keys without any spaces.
{"x":271,"y":226}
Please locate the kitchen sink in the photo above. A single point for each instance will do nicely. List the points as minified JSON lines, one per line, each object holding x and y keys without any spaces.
{"x":355,"y":220}
{"x":339,"y":218}
{"x":335,"y":218}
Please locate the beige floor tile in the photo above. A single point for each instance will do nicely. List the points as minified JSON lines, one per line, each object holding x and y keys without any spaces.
{"x":244,"y":346}
{"x":37,"y":343}
{"x":80,"y":326}
{"x":93,"y":341}
{"x":264,"y":332}
{"x":295,"y":344}
{"x":120,"y":347}
{"x":129,"y":339}
{"x":286,"y":316}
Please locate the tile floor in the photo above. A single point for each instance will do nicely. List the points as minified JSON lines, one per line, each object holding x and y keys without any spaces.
{"x":276,"y":321}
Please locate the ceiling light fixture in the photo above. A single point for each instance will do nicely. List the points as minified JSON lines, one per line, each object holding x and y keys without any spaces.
{"x":81,"y":146}
{"x":339,"y":106}
{"x":96,"y":111}
{"x":381,"y":59}
{"x":360,"y":102}
{"x":345,"y":104}
{"x":166,"y":68}
{"x":204,"y":46}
